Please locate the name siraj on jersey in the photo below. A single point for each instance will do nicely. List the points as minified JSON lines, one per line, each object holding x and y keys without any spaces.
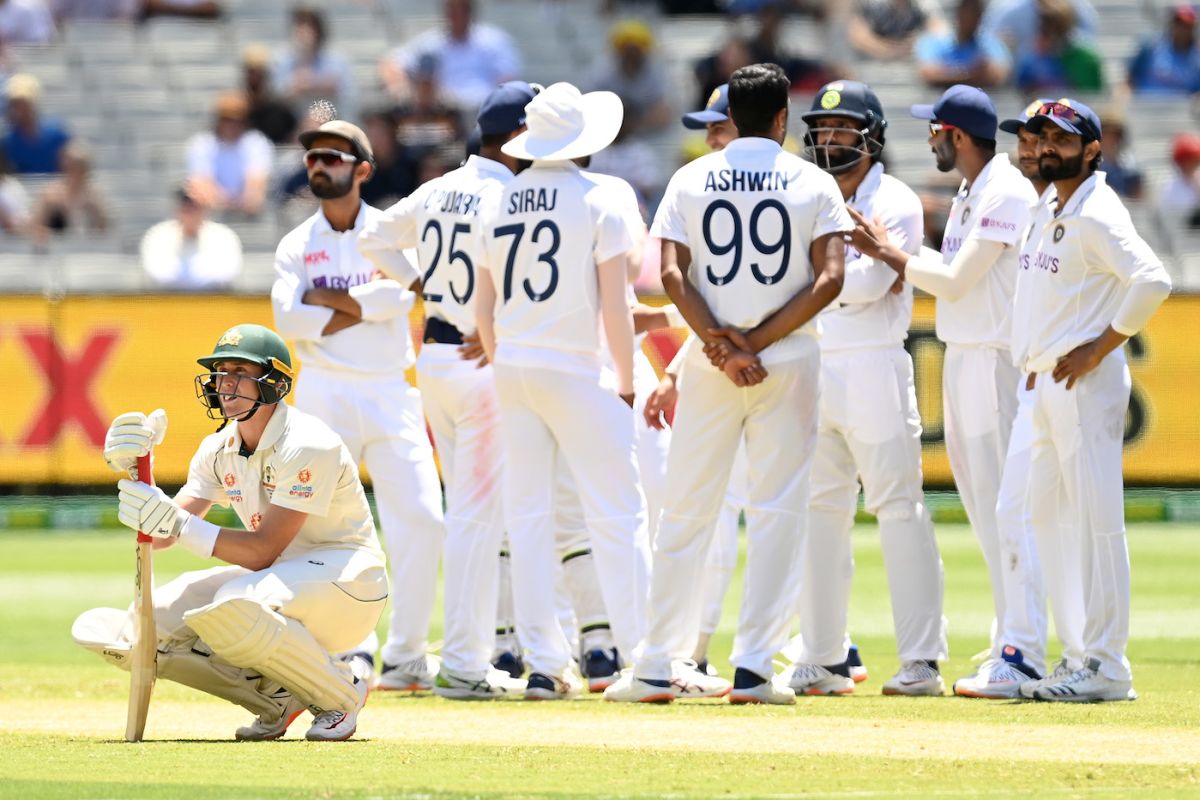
{"x":453,"y":202}
{"x":532,"y":200}
{"x":737,"y":180}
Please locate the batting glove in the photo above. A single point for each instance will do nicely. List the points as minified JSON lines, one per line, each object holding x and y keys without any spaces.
{"x":131,"y":436}
{"x":149,"y":510}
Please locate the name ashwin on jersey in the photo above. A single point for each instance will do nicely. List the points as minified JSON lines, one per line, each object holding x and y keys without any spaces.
{"x":737,"y":180}
{"x":532,"y":200}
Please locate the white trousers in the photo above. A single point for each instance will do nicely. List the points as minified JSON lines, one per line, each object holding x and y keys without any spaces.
{"x":464,"y":415}
{"x":1076,"y":457}
{"x":383,"y":424}
{"x":870,"y":430}
{"x":979,"y":401}
{"x":652,"y":444}
{"x":1024,"y":623}
{"x":540,"y":413}
{"x":778,"y":419}
{"x":723,"y":553}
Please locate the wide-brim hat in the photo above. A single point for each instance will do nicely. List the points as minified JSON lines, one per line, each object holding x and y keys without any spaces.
{"x":562,"y":124}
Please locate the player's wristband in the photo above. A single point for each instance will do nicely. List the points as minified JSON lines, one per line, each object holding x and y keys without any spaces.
{"x":199,"y":536}
{"x":674,"y":318}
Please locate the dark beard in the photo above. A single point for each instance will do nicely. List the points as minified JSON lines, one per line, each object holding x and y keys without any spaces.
{"x":1059,"y":168}
{"x":945,"y":155}
{"x":838,"y":157}
{"x":329,"y":189}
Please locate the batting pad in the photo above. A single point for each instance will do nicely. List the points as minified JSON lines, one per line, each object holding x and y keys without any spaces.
{"x":106,"y":632}
{"x":199,"y":670}
{"x":248,"y":634}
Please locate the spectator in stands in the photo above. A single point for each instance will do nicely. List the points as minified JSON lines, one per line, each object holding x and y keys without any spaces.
{"x":269,"y":115}
{"x":888,"y":29}
{"x":228,"y":167}
{"x":306,"y":71}
{"x":32,"y":144}
{"x":713,"y":71}
{"x":395,"y":173}
{"x":634,"y":160}
{"x":965,"y":55}
{"x":71,"y":202}
{"x":636,"y":77}
{"x":427,"y":120}
{"x":95,"y":9}
{"x":803,"y":73}
{"x":191,"y":252}
{"x":1121,"y":171}
{"x":472,"y":58}
{"x":1179,"y":199}
{"x":25,"y":22}
{"x":1170,"y":64}
{"x":190,"y":9}
{"x":1017,"y":22}
{"x":14,"y":202}
{"x":1061,"y":60}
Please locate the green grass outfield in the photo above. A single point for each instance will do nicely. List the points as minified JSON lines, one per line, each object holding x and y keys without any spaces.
{"x":64,"y":711}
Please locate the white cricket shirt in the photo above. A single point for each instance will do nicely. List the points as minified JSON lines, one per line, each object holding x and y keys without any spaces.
{"x":441,"y":221}
{"x":300,"y":464}
{"x":314,"y":255}
{"x":997,"y":207}
{"x":1075,"y":270}
{"x":749,"y":214}
{"x":544,"y":236}
{"x":866,"y":313}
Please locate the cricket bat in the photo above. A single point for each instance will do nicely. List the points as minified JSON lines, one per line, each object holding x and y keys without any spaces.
{"x":143,"y":658}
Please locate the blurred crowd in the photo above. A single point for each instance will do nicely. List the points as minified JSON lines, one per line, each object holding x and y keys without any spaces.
{"x":246,"y":160}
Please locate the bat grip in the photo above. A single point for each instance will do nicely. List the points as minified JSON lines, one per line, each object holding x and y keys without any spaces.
{"x":146,"y":476}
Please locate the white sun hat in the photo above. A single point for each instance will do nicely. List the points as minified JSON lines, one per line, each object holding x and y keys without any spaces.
{"x":562,"y":124}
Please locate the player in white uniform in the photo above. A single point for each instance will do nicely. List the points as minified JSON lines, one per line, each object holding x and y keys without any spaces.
{"x":1090,"y":282}
{"x":306,"y":577}
{"x":869,"y":429}
{"x":441,"y":220}
{"x":752,"y":241}
{"x":555,"y":264}
{"x":972,"y":279}
{"x":350,"y":325}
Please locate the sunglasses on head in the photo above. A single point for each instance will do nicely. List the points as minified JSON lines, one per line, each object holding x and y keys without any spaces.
{"x":328,"y":158}
{"x":1067,"y":114}
{"x":937,"y":127}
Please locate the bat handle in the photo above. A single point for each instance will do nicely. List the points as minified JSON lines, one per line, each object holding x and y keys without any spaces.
{"x":146,"y":476}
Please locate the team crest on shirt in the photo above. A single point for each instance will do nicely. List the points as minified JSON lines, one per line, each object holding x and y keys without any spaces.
{"x":268,"y":480}
{"x":255,"y":520}
{"x":1059,"y":232}
{"x":966,"y":213}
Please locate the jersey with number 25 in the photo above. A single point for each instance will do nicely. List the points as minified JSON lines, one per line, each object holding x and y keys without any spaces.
{"x":552,"y":226}
{"x":749,"y":214}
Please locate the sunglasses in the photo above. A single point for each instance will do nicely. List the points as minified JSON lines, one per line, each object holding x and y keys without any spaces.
{"x":937,"y":127}
{"x":1067,"y":114}
{"x":328,"y":158}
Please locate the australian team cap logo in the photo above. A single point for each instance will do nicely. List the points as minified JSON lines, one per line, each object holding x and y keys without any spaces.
{"x":231,"y":337}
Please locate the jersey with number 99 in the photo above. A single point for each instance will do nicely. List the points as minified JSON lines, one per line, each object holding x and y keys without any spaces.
{"x":749,"y":214}
{"x":552,"y":225}
{"x":441,"y":220}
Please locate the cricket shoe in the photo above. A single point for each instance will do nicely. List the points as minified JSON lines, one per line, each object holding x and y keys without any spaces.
{"x":1086,"y":685}
{"x":813,"y":679}
{"x":631,"y":689}
{"x":688,"y":682}
{"x":492,"y":686}
{"x":750,"y":688}
{"x":263,"y":731}
{"x":411,"y":676}
{"x":335,"y":725}
{"x":1061,"y":671}
{"x":858,"y":671}
{"x":601,"y":667}
{"x":510,"y":662}
{"x":916,"y":679}
{"x":707,"y":668}
{"x":545,"y":687}
{"x":998,"y":678}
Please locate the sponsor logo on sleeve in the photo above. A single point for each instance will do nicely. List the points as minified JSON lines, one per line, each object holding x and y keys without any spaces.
{"x":999,"y":224}
{"x":303,"y":488}
{"x":255,"y":520}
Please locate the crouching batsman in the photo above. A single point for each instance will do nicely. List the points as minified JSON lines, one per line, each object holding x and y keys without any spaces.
{"x":306,"y":577}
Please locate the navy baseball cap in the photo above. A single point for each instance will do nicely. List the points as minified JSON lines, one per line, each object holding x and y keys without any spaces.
{"x":1070,"y":115}
{"x":1015,"y":124}
{"x":715,"y":110}
{"x":965,"y":107}
{"x":503,"y":111}
{"x":846,"y":99}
